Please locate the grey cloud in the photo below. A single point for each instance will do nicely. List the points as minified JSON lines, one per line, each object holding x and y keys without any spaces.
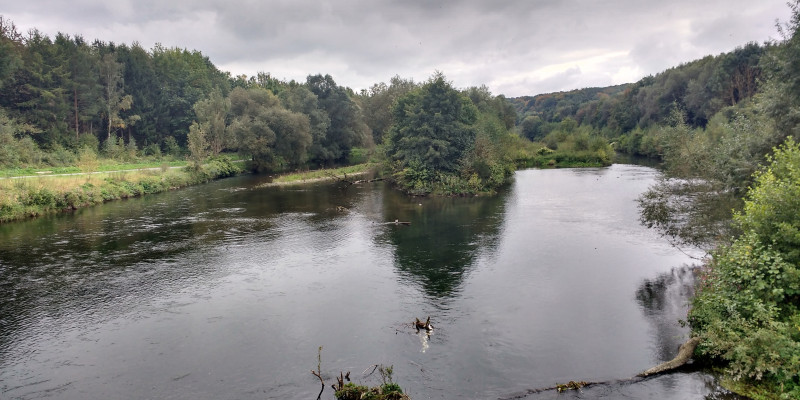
{"x":367,"y":41}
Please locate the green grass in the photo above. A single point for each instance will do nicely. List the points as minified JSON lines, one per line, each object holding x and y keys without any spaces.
{"x":47,"y":194}
{"x":103,"y":165}
{"x":323,"y":174}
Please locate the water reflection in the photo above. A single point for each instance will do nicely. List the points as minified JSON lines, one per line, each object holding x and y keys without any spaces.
{"x":445,"y":236}
{"x":227,"y":291}
{"x":664,"y":301}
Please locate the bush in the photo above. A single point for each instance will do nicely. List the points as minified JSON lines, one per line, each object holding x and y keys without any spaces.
{"x":748,"y":308}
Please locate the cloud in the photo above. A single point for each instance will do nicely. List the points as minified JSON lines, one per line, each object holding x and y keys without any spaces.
{"x":516,"y":47}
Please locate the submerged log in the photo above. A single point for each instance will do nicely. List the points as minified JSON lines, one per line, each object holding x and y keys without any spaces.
{"x":684,"y":355}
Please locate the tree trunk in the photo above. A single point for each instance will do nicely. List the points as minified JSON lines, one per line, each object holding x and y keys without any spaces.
{"x":684,"y":354}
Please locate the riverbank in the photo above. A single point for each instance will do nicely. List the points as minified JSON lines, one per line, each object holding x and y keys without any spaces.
{"x":42,"y":195}
{"x":322,"y":175}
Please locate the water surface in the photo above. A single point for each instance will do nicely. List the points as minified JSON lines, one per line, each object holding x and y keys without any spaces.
{"x":227,"y":290}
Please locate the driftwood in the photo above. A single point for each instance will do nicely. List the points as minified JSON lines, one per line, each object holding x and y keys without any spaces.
{"x":340,"y":381}
{"x":684,"y":355}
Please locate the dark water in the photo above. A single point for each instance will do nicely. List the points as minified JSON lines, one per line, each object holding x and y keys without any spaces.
{"x":226,"y":291}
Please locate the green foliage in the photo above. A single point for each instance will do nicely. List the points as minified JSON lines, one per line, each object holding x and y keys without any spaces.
{"x":748,"y":309}
{"x":434,"y":127}
{"x":388,"y":390}
{"x":347,"y":128}
{"x":772,"y":204}
{"x":274,"y":137}
{"x":171,"y":147}
{"x":197,"y":144}
{"x":700,"y":88}
{"x":212,"y":113}
{"x":378,"y":104}
{"x":26,"y":200}
{"x":443,"y":143}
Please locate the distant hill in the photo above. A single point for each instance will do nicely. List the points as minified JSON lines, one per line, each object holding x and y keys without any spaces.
{"x":699,"y":89}
{"x":558,"y":105}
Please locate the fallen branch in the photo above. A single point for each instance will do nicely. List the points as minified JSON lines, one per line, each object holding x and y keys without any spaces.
{"x":684,"y":355}
{"x":318,"y":372}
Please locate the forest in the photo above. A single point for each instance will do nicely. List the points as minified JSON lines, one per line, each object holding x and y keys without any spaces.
{"x":67,"y":102}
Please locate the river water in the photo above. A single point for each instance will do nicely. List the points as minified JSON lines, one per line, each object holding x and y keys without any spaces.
{"x":227,"y":291}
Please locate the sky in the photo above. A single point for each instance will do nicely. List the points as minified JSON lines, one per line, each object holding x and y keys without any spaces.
{"x":515,"y":47}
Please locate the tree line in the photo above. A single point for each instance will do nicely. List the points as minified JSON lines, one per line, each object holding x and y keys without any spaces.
{"x":700,"y":89}
{"x":65,"y":97}
{"x":66,"y":94}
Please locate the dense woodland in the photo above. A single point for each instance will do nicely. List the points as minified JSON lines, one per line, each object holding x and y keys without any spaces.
{"x":62,"y":95}
{"x":721,"y":126}
{"x":65,"y":99}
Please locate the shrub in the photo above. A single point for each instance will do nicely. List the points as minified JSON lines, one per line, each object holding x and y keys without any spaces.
{"x":748,"y":308}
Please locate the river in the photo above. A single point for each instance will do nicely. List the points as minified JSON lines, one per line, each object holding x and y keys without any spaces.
{"x":227,"y":291}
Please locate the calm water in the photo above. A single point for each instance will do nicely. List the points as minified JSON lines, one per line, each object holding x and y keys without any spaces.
{"x":226,"y":291}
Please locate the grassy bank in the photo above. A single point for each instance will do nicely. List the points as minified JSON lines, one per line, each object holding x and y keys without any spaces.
{"x":322,"y":174}
{"x":566,"y":155}
{"x":32,"y":197}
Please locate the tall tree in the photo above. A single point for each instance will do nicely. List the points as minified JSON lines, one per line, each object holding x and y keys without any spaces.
{"x":185,"y":77}
{"x":273,"y":136}
{"x":84,"y":88}
{"x":300,"y":99}
{"x":114,"y":97}
{"x":142,"y":83}
{"x":347,"y":128}
{"x":378,"y":103}
{"x":11,"y":47}
{"x":212,"y":113}
{"x":433,"y":128}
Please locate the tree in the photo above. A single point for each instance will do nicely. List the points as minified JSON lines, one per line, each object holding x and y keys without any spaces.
{"x":378,"y":103}
{"x":184,"y":77}
{"x":11,"y":47}
{"x":197,"y":144}
{"x":114,"y":97}
{"x":300,"y":99}
{"x":39,"y":95}
{"x":273,"y":136}
{"x":433,"y":128}
{"x":212,"y":113}
{"x":144,"y":86}
{"x":84,"y":85}
{"x":347,"y":128}
{"x":531,"y":128}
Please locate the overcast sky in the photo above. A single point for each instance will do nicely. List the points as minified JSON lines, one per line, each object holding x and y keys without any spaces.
{"x":515,"y":47}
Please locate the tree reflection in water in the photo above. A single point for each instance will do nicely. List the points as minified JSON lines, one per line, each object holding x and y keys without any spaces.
{"x":446,"y":235}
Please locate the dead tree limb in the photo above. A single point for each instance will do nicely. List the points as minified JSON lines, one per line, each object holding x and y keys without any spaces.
{"x":319,"y":396}
{"x":684,"y":354}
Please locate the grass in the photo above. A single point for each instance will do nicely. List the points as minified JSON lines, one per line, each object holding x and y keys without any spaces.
{"x":102,"y":165}
{"x":322,"y":174}
{"x":105,"y":166}
{"x":41,"y":195}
